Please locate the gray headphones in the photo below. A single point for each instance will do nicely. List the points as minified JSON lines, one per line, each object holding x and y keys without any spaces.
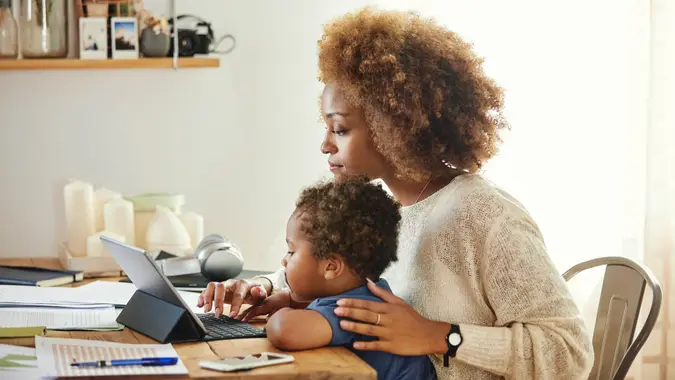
{"x":219,"y":258}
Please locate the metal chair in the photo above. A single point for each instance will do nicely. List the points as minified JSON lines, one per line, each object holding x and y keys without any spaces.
{"x":620,"y":300}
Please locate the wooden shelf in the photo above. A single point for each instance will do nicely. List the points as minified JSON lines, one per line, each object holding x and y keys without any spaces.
{"x":108,"y":64}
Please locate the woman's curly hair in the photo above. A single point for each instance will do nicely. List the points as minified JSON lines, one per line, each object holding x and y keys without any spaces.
{"x":352,"y":218}
{"x":427,"y":101}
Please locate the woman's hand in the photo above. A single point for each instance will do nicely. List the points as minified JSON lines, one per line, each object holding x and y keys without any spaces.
{"x":232,"y":292}
{"x":401,"y":330}
{"x":269,"y":306}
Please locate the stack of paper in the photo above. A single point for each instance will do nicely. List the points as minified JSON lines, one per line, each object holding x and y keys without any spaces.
{"x":119,"y":293}
{"x":54,"y":356}
{"x":16,"y":295}
{"x":87,"y":307}
{"x":60,"y":318}
{"x":94,"y":293}
{"x":54,"y":308}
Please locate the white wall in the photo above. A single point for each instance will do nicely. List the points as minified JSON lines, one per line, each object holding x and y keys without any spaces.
{"x":576,"y":80}
{"x":239,"y":141}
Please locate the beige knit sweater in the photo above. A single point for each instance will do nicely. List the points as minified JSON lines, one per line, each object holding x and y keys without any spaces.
{"x":470,"y":254}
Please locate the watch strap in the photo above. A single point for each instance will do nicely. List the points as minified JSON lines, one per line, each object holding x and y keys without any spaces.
{"x":452,"y":349}
{"x":269,"y":280}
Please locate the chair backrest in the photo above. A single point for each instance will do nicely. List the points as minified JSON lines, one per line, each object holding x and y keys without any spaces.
{"x":623,"y":288}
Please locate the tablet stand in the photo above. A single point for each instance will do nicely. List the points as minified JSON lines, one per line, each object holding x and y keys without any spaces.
{"x":158,"y":319}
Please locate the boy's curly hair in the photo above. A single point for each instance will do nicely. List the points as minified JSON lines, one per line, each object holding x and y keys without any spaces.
{"x":352,"y":218}
{"x":422,"y":89}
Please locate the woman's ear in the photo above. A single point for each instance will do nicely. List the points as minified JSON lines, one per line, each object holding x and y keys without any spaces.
{"x":334,"y":265}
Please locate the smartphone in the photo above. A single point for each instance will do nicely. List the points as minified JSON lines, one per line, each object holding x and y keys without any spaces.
{"x":239,"y":363}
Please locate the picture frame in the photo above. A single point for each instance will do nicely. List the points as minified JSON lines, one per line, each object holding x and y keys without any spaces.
{"x":124,"y":37}
{"x":93,"y":38}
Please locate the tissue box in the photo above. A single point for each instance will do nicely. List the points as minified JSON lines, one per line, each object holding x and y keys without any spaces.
{"x":91,"y":266}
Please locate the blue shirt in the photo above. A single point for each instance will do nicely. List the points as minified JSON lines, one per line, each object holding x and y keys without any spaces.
{"x":388,"y":366}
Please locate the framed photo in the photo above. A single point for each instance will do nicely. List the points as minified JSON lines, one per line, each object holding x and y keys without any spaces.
{"x":124,"y":37}
{"x":93,"y":38}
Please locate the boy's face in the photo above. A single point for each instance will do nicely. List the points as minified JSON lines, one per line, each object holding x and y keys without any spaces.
{"x":304,"y":272}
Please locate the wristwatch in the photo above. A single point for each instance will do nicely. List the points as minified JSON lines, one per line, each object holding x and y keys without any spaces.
{"x":454,"y":340}
{"x":268,"y":280}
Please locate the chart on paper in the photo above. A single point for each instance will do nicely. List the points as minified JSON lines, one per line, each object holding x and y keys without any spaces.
{"x":56,"y":354}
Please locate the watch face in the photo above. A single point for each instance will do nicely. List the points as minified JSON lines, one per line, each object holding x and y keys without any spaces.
{"x":455,"y":339}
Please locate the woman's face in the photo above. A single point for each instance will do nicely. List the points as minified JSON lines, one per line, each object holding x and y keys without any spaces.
{"x":347,"y":143}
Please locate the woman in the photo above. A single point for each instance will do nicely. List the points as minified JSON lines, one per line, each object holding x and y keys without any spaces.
{"x":406,"y":101}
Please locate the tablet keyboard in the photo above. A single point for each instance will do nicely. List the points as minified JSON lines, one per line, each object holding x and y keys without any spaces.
{"x":228,"y":328}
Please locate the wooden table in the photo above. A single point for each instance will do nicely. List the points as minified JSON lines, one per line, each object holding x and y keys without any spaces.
{"x":323,"y":363}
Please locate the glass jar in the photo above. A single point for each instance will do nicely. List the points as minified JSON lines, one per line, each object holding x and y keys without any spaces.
{"x":44,"y":28}
{"x":9,"y":47}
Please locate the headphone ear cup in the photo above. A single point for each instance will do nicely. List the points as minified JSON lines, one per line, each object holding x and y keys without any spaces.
{"x":207,"y":240}
{"x":219,"y":258}
{"x":204,"y":254}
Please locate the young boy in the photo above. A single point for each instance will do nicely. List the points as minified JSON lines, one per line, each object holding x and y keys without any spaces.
{"x":340,"y":234}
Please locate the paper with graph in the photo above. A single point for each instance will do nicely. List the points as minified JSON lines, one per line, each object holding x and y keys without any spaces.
{"x":54,"y":356}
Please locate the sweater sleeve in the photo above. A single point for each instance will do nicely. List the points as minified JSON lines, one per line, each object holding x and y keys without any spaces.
{"x":539,"y":333}
{"x":278,"y":279}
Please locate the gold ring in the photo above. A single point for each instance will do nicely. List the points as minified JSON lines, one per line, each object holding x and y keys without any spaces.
{"x":378,"y":319}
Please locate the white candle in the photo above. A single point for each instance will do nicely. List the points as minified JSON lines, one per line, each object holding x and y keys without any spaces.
{"x":166,"y":232}
{"x":118,"y":218}
{"x":79,"y":211}
{"x":194,"y":224}
{"x":95,"y":247}
{"x":101,"y":197}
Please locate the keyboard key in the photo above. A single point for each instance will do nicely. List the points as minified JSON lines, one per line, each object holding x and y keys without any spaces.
{"x":228,"y":328}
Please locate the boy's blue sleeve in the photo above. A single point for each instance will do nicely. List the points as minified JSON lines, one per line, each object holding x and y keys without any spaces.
{"x":326,"y":307}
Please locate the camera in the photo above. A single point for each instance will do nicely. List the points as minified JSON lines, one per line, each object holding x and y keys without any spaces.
{"x":192,"y":41}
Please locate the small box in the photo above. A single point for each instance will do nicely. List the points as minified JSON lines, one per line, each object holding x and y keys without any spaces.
{"x":91,"y":266}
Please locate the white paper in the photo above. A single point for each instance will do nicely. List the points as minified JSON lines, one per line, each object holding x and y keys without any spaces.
{"x":55,"y":355}
{"x":28,"y":367}
{"x":119,"y":293}
{"x":93,"y":294}
{"x":36,"y":295}
{"x":115,"y":293}
{"x":16,"y":293}
{"x":55,"y":318}
{"x":8,"y":349}
{"x":54,"y":305}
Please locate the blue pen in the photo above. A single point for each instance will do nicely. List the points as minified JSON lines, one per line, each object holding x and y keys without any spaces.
{"x":150,"y":362}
